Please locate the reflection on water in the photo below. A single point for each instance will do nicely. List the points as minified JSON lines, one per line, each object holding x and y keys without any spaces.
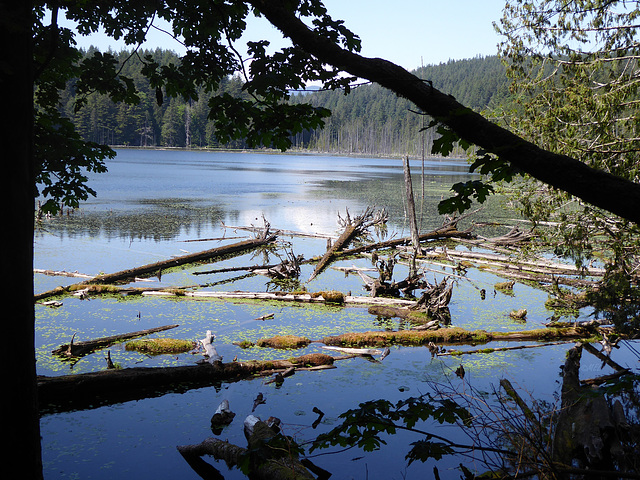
{"x":152,"y":205}
{"x":163,"y":193}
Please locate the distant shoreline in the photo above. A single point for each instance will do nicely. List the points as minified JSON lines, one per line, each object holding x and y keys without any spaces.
{"x":269,"y":151}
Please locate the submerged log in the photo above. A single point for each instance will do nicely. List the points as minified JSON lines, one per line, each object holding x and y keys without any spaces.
{"x":89,"y":390}
{"x":297,"y":297}
{"x":497,"y":349}
{"x":79,"y":349}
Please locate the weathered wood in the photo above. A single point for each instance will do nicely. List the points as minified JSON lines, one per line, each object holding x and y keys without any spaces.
{"x":448,"y":231}
{"x":411,"y":207}
{"x":153,"y":268}
{"x":507,"y":262}
{"x":354,"y":351}
{"x":249,"y":268}
{"x":279,"y":232}
{"x":342,"y":241}
{"x":61,"y":273}
{"x":210,"y":349}
{"x":77,"y":349}
{"x":88,"y":390}
{"x":317,"y":297}
{"x":158,"y":267}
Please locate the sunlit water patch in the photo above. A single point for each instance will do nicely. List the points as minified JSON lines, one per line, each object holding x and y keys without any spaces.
{"x":152,"y":206}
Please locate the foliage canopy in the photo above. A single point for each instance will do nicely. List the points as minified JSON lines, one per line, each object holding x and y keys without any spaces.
{"x":574,"y":72}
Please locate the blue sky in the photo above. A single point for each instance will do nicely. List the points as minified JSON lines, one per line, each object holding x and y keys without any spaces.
{"x":406,"y":32}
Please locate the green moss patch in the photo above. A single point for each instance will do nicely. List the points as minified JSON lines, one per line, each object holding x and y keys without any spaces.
{"x":159,"y":346}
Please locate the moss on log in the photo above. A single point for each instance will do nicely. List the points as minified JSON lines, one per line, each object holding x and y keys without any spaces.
{"x":284,"y":342}
{"x":453,"y":335}
{"x":158,"y":346}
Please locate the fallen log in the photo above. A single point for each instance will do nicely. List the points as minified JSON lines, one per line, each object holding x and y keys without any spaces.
{"x":154,"y":268}
{"x":249,"y":268}
{"x":79,"y":349}
{"x":158,"y":267}
{"x":498,"y":349}
{"x":605,"y":358}
{"x":507,"y":262}
{"x":449,"y":231}
{"x":94,"y":389}
{"x":61,"y":273}
{"x":405,"y":313}
{"x":452,"y":335}
{"x":280,"y":232}
{"x":303,"y":297}
{"x":343,"y":240}
{"x":355,"y":351}
{"x":265,"y":461}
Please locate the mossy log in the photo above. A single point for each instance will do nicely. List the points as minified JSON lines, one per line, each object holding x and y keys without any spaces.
{"x":453,"y":335}
{"x":284,"y":342}
{"x":160,"y":346}
{"x":409,"y":314}
{"x":88,"y":390}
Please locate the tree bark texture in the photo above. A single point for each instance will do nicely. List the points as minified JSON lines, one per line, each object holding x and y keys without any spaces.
{"x":597,"y":187}
{"x":23,"y":452}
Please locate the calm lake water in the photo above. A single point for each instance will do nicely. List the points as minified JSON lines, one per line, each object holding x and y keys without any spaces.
{"x":153,"y":205}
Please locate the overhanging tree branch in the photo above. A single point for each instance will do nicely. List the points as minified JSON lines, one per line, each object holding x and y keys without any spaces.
{"x":597,"y":187}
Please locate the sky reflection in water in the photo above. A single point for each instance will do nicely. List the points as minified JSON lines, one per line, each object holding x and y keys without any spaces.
{"x":151,"y":205}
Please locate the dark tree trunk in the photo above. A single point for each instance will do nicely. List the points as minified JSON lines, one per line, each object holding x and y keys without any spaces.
{"x":16,"y":82}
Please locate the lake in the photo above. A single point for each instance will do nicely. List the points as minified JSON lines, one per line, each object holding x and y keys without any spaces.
{"x":155,"y":204}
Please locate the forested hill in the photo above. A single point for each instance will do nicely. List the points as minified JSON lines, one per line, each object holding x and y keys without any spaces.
{"x":373,"y":121}
{"x":370,"y":120}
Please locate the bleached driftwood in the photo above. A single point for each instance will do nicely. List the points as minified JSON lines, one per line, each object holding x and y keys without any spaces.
{"x":354,"y":351}
{"x":60,"y":273}
{"x":210,"y":348}
{"x":505,"y":261}
{"x":286,"y":297}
